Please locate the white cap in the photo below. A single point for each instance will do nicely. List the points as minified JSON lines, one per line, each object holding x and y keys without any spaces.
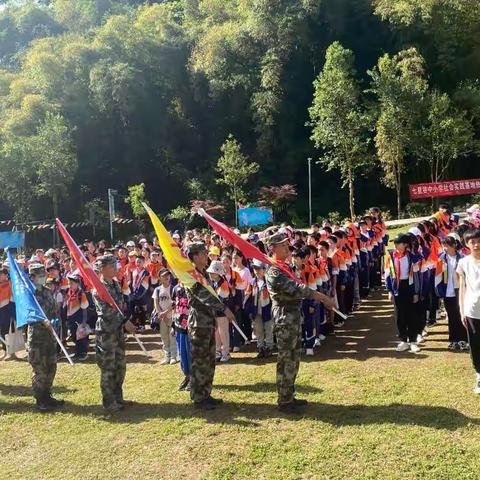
{"x":416,"y":231}
{"x":143,"y":240}
{"x":258,"y":264}
{"x":176,"y":236}
{"x":216,"y":267}
{"x":473,"y":208}
{"x":130,"y":243}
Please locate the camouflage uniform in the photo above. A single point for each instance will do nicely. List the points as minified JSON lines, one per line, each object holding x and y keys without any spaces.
{"x":201,"y":330}
{"x":41,"y":345}
{"x":287,"y":296}
{"x":110,"y":345}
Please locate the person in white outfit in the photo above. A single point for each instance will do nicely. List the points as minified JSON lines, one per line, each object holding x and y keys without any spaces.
{"x":162,"y":299}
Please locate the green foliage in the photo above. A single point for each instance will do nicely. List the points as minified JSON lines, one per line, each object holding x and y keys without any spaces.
{"x":234,"y":170}
{"x":150,"y":90}
{"x":53,"y":154}
{"x":136,"y":196}
{"x":446,"y":136}
{"x":400,"y":85}
{"x":339,"y":124}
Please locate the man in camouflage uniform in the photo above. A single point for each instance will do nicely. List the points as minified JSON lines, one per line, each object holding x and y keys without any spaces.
{"x":110,"y":338}
{"x":201,"y":329}
{"x":41,"y":344}
{"x":287,"y":295}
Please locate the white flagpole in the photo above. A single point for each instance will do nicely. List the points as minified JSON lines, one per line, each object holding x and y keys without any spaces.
{"x":239,"y":330}
{"x":62,"y":346}
{"x":140,"y":343}
{"x":340,"y":314}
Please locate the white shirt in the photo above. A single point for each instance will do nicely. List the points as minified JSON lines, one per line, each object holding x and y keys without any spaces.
{"x":162,"y":294}
{"x":452,"y":282}
{"x":469,"y":269}
{"x":404,"y":268}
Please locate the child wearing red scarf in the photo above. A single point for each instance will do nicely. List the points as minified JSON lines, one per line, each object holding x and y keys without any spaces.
{"x":402,"y":281}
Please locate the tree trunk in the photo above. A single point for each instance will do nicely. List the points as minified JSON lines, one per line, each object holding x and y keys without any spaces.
{"x":351,"y":195}
{"x":399,"y":200}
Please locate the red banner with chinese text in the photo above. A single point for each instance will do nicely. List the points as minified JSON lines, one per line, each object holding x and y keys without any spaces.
{"x":444,"y":189}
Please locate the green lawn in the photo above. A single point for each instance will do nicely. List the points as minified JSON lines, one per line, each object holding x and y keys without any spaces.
{"x":374,"y":414}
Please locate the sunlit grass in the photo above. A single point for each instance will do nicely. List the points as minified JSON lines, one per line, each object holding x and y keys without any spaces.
{"x":374,"y":414}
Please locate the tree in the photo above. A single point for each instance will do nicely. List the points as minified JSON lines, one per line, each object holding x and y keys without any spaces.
{"x":235,"y":170}
{"x":446,"y":135}
{"x":400,"y":85}
{"x":52,"y":152}
{"x":136,"y":196}
{"x":278,"y":197}
{"x":338,"y":121}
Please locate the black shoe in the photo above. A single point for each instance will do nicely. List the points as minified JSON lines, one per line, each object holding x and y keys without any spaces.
{"x":290,"y":408}
{"x":214,"y":401}
{"x":125,"y":403}
{"x":113,"y":407}
{"x":300,"y":402}
{"x":261,"y":353}
{"x":54,"y":402}
{"x":44,"y":406}
{"x":204,"y":405}
{"x":183,"y":385}
{"x":267,"y":352}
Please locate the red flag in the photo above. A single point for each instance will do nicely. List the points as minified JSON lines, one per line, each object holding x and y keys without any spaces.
{"x":88,"y":274}
{"x":249,"y":250}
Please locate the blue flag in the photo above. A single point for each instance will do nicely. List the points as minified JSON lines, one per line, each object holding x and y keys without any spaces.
{"x":27,"y":308}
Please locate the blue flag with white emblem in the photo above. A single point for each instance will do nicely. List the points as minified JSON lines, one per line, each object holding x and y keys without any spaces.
{"x":27,"y":308}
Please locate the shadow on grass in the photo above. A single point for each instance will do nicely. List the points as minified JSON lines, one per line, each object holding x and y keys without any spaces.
{"x":266,"y":387}
{"x":26,"y":391}
{"x":249,"y":414}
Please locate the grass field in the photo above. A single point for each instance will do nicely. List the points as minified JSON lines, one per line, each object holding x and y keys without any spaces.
{"x":373,"y":414}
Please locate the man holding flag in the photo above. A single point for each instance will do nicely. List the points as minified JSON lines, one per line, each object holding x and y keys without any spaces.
{"x":109,"y":335}
{"x":286,"y":295}
{"x":41,"y":344}
{"x":201,"y":328}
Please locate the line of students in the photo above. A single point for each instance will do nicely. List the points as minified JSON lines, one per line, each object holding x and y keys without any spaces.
{"x":438,"y":260}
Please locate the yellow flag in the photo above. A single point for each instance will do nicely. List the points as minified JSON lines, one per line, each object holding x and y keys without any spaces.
{"x":181,"y":266}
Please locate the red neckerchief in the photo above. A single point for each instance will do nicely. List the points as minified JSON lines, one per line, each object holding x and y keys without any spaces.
{"x":397,"y":256}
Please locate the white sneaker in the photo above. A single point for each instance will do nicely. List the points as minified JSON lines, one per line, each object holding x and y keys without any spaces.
{"x":173,"y":361}
{"x":424,"y":333}
{"x":403,"y":347}
{"x":322,"y":337}
{"x":309,"y":352}
{"x":464,"y":346}
{"x":317,"y":342}
{"x":476,"y":388}
{"x":225,"y":358}
{"x":165,"y":361}
{"x":420,"y":339}
{"x":236,"y":349}
{"x":414,"y":348}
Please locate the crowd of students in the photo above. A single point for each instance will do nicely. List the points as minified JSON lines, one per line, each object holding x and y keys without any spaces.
{"x":435,"y":260}
{"x":438,"y":260}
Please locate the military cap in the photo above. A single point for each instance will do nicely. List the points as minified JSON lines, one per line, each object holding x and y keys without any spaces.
{"x":36,"y":269}
{"x":277,"y":239}
{"x":196,"y":247}
{"x":105,"y":260}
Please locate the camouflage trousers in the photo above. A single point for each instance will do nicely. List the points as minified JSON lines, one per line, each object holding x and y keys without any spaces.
{"x":202,"y":349}
{"x":110,"y":356}
{"x":288,"y":330}
{"x":42,"y":356}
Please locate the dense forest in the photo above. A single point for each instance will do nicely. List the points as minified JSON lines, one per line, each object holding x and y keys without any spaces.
{"x":190,"y":97}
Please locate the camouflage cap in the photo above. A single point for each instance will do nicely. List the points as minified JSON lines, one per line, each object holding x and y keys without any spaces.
{"x":277,"y":239}
{"x":36,"y":269}
{"x":196,"y":247}
{"x":105,"y":260}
